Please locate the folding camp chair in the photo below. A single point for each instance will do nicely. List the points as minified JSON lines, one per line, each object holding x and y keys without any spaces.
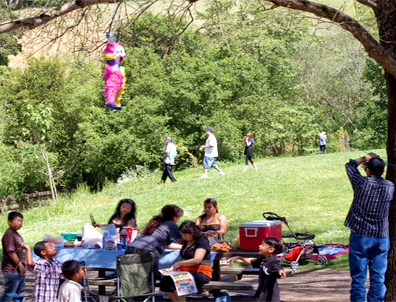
{"x":135,"y":277}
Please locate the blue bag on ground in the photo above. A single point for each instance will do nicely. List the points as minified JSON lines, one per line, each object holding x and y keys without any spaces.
{"x":222,"y":297}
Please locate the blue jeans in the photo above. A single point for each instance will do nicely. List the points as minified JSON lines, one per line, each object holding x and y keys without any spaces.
{"x":14,"y":283}
{"x":209,"y":162}
{"x":374,"y":251}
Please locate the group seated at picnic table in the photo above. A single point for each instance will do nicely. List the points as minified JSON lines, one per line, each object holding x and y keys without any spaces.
{"x":161,"y":232}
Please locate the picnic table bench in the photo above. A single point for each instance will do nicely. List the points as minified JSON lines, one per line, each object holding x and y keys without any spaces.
{"x":228,"y":278}
{"x":236,"y":285}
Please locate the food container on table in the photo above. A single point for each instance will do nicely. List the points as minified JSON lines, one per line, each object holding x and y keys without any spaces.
{"x":110,"y":243}
{"x":57,"y":242}
{"x":69,"y":236}
{"x":252,"y":233}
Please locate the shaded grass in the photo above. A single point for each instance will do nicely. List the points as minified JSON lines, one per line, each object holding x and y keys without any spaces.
{"x":312,"y":192}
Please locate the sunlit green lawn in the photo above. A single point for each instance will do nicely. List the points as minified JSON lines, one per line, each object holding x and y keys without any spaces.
{"x":312,"y":192}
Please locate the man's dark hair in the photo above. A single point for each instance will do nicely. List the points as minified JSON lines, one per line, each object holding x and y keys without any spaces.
{"x":70,"y":268}
{"x":38,"y":247}
{"x":13,"y":215}
{"x":275,"y":243}
{"x":376,"y":166}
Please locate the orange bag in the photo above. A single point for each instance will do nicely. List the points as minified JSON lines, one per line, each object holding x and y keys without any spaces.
{"x":222,"y":246}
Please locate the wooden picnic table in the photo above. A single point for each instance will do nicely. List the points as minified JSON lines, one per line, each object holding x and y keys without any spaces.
{"x":234,"y":281}
{"x":216,"y":276}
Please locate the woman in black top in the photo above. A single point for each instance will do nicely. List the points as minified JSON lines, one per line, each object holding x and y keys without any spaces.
{"x":124,"y":215}
{"x":159,"y":233}
{"x":195,"y":255}
{"x":248,"y":142}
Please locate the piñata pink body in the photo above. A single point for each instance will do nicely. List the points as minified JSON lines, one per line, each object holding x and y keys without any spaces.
{"x":113,"y":75}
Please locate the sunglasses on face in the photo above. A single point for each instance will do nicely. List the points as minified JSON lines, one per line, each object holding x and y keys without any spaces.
{"x":128,"y":200}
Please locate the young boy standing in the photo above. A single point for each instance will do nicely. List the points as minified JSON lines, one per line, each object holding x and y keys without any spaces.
{"x":70,"y":290}
{"x":270,"y":269}
{"x":13,"y":264}
{"x":48,"y":271}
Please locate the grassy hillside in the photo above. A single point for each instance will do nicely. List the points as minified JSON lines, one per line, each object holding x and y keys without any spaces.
{"x":313,"y":192}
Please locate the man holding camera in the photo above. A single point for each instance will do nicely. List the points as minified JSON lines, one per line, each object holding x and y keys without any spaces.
{"x":368,"y":221}
{"x":169,"y":159}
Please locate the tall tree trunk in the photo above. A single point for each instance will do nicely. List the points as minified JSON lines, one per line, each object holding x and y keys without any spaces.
{"x":386,"y":20}
{"x":390,"y":276}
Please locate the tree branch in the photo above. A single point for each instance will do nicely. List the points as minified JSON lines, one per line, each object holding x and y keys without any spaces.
{"x":372,"y":47}
{"x":369,"y":3}
{"x":44,"y":18}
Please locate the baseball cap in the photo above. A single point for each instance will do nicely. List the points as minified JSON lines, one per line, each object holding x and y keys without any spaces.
{"x":209,"y":129}
{"x":375,"y":164}
{"x":169,"y":139}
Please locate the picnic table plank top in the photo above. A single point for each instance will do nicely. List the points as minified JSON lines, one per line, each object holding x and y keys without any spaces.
{"x":246,"y":254}
{"x":247,"y":270}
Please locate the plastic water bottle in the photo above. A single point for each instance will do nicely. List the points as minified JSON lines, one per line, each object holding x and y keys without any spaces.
{"x":105,"y":235}
{"x":124,"y":236}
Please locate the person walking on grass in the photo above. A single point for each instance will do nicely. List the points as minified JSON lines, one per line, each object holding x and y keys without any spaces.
{"x":368,"y":221}
{"x":322,"y":142}
{"x":210,"y":153}
{"x":248,"y":142}
{"x":169,"y":159}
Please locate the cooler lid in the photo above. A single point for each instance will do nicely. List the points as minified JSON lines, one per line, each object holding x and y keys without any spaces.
{"x":259,"y":223}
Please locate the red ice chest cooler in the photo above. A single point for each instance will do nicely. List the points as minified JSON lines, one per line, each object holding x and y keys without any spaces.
{"x":251,"y":234}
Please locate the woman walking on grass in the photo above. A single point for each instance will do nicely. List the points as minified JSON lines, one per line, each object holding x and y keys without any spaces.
{"x":322,"y":142}
{"x":248,"y":142}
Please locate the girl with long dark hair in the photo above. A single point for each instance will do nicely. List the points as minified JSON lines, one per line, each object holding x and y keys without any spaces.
{"x":248,"y":142}
{"x":124,"y":215}
{"x":159,"y":233}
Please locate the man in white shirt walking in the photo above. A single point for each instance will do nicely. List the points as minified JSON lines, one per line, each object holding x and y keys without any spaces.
{"x":169,"y":159}
{"x":210,"y":153}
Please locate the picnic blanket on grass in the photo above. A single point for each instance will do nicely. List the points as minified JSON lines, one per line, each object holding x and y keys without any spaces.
{"x":331,"y":250}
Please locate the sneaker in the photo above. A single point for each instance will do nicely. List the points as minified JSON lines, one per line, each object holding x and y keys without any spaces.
{"x":221,"y":173}
{"x":204,"y":176}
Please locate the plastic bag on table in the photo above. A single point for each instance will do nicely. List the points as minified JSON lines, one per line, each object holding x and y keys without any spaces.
{"x":109,"y":228}
{"x":92,"y":239}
